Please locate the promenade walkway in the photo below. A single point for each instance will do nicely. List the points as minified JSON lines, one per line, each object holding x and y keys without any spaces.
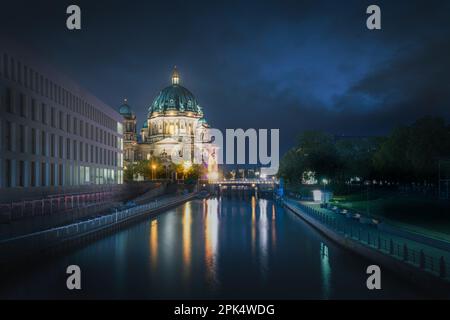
{"x":16,"y":248}
{"x":418,"y":254}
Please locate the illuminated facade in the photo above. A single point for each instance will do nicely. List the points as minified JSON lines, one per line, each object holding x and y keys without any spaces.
{"x":175,"y":130}
{"x":55,"y":136}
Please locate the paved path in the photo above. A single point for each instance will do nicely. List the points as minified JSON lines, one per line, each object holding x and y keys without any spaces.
{"x":369,"y":234}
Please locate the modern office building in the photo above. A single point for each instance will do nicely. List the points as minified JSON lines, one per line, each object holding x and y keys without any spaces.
{"x":54,"y":135}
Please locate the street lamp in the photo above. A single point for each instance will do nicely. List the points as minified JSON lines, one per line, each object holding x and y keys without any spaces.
{"x":153,"y":171}
{"x":186,"y":166}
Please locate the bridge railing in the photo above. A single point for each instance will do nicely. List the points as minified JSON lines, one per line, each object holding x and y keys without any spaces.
{"x":245,"y":181}
{"x":429,"y":261}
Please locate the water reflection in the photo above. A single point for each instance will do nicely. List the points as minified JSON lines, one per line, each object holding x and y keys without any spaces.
{"x":253,"y":226}
{"x":325,"y":270}
{"x":187,"y":244}
{"x":263,"y":236}
{"x":273,"y":228}
{"x":216,"y":248}
{"x":211,"y":220}
{"x":154,"y":244}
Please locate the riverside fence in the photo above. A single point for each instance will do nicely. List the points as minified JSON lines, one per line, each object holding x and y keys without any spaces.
{"x":427,"y":260}
{"x":27,"y":244}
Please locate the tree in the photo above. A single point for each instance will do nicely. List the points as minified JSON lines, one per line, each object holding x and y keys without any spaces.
{"x":411,"y":153}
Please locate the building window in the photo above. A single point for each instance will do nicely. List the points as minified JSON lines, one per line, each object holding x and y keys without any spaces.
{"x":33,"y":140}
{"x":32,"y":174}
{"x":60,"y":174}
{"x":33,"y":110}
{"x":52,"y":117}
{"x":74,"y":126}
{"x":8,"y":101}
{"x":8,"y":173}
{"x":60,"y":147}
{"x":22,"y":105}
{"x":68,"y":149}
{"x":21,"y":173}
{"x":68,"y":123}
{"x":44,"y":113}
{"x":43,"y":174}
{"x":81,"y":151}
{"x":8,"y":133}
{"x":22,"y":138}
{"x":61,"y":120}
{"x":52,"y":174}
{"x":74,"y":150}
{"x":43,"y":144}
{"x":52,"y":145}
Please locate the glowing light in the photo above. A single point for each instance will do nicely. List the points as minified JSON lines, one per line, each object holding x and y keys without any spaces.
{"x":317,"y":195}
{"x":186,"y":165}
{"x":213,"y":175}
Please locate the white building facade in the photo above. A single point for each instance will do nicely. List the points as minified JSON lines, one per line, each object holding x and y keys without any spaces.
{"x":54,"y":135}
{"x":175,"y":130}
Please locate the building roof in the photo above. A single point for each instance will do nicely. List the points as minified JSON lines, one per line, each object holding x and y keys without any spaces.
{"x":175,"y":98}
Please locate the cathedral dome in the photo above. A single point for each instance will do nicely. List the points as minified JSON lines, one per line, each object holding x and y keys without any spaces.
{"x":125,"y":109}
{"x":175,"y":98}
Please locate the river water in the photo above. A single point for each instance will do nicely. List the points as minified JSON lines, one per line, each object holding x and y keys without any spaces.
{"x":216,"y":248}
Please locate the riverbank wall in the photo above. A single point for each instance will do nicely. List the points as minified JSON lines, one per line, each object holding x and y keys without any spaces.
{"x":26,"y":249}
{"x":425,"y":280}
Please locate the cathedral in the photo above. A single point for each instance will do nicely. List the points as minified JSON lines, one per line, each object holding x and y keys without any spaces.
{"x":175,"y":131}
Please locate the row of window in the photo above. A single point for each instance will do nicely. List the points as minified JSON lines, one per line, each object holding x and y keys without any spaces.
{"x":49,"y":115}
{"x":41,"y":174}
{"x":22,"y":74}
{"x":53,"y":145}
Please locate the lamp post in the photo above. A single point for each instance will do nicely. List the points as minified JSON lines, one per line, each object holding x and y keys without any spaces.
{"x":325,"y":182}
{"x":153,"y":171}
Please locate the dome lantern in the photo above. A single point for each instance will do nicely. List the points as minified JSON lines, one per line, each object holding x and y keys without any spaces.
{"x":175,"y":76}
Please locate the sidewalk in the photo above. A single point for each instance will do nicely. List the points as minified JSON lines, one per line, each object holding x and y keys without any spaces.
{"x":38,"y":223}
{"x":420,"y":255}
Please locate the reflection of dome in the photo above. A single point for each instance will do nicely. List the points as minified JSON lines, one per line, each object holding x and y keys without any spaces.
{"x":175,"y":98}
{"x":125,"y":109}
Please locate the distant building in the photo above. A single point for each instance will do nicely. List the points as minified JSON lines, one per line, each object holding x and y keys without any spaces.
{"x":54,"y":135}
{"x":175,"y":130}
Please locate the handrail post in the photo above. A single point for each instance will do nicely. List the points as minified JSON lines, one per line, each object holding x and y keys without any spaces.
{"x":405,"y":252}
{"x":442,"y":271}
{"x":422,"y":259}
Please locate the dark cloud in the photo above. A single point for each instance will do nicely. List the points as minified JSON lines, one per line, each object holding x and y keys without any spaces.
{"x":293,"y":65}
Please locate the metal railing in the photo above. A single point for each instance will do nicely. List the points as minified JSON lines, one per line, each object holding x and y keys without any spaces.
{"x":382,"y":242}
{"x":27,"y":243}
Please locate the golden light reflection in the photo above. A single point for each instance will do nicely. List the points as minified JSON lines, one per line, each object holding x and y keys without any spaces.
{"x":263,"y":228}
{"x":154,"y":243}
{"x":187,"y":225}
{"x":253,"y":224}
{"x":211,"y":240}
{"x":273,"y":227}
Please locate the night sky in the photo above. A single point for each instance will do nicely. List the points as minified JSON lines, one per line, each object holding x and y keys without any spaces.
{"x":293,"y":65}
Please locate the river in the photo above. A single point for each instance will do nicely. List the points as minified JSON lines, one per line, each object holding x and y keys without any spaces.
{"x":239,"y":247}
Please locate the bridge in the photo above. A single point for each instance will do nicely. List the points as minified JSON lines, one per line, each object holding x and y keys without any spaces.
{"x":245,"y":182}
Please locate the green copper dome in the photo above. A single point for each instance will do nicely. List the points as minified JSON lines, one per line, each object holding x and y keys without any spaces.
{"x":145,"y":125}
{"x":125,"y":109}
{"x":175,"y":98}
